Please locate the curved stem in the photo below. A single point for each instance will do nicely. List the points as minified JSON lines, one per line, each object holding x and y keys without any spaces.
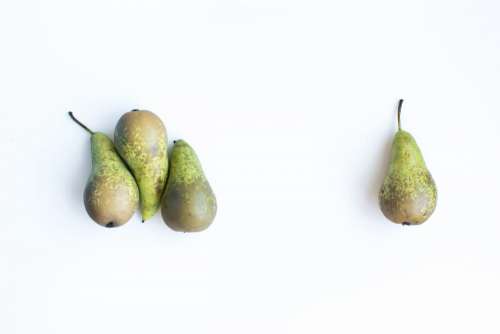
{"x":399,"y":113}
{"x":80,"y":123}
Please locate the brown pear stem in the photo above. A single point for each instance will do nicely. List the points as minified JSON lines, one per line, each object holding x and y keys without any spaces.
{"x":80,"y":123}
{"x":399,"y":113}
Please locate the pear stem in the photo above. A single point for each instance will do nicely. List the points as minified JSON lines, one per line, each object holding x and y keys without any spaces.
{"x":399,"y":113}
{"x":80,"y":123}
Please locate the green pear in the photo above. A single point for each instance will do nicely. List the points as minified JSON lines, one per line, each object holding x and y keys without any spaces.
{"x":141,"y":140}
{"x":408,"y":195}
{"x":111,"y":196}
{"x":189,"y":204}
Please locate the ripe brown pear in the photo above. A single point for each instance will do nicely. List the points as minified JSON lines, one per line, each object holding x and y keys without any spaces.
{"x":189,"y":204}
{"x":408,"y":195}
{"x":111,"y":196}
{"x":141,"y":140}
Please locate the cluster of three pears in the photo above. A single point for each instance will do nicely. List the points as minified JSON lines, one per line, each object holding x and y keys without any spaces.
{"x":112,"y":194}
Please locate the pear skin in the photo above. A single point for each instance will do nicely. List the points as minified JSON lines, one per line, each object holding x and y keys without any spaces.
{"x":189,"y":204}
{"x":111,"y":195}
{"x":408,"y":194}
{"x":141,"y":140}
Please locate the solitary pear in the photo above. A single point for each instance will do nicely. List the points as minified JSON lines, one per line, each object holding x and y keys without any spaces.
{"x":141,"y":140}
{"x":189,"y":204}
{"x":111,"y":196}
{"x":408,"y":194}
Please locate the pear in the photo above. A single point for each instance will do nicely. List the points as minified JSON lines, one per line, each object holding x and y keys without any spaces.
{"x":189,"y":204}
{"x":141,"y":140}
{"x":111,"y":196}
{"x":408,"y":195}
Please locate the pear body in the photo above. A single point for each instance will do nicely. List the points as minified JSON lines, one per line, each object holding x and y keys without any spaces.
{"x":141,"y":140}
{"x":408,"y":195}
{"x":189,"y":204}
{"x":111,"y":196}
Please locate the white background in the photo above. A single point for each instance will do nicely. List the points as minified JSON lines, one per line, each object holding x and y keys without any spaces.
{"x":291,"y":108}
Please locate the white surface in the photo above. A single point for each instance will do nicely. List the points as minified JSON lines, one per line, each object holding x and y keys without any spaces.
{"x":291,"y":107}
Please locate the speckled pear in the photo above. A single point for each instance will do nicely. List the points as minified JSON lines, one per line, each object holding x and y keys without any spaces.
{"x":189,"y":204}
{"x":111,"y":196}
{"x":141,"y":140}
{"x":408,"y":195}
